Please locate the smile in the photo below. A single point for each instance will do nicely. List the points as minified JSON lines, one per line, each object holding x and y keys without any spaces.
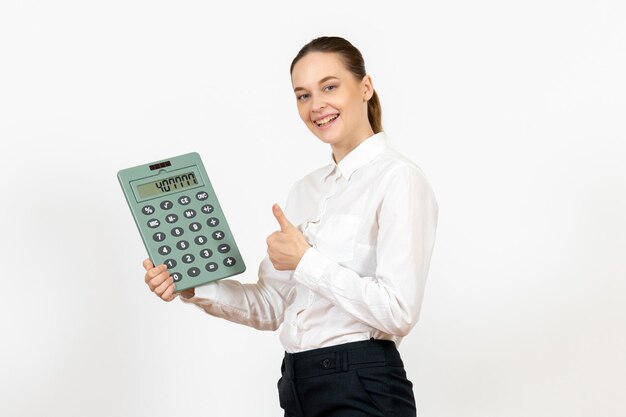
{"x":326,"y":120}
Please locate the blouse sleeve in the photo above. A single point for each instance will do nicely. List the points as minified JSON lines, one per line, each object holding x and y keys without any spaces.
{"x":260,"y":305}
{"x":390,"y":300}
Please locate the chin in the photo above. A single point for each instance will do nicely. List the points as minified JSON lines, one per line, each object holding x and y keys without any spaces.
{"x":329,"y":139}
{"x":326,"y":137}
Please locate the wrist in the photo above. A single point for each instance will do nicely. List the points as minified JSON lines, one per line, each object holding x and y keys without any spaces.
{"x":304,"y":249}
{"x":188,"y":293}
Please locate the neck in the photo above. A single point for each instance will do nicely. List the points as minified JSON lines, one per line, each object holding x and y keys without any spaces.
{"x":344,"y":147}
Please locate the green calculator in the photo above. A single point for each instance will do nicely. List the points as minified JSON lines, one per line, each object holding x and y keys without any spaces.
{"x":181,"y":221}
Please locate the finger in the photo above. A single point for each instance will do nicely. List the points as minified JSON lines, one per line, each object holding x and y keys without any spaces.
{"x":147,"y":264}
{"x":160,"y":288}
{"x":153,"y":272}
{"x":282,"y":219}
{"x":158,"y":280}
{"x":271,"y":239}
{"x":169,"y":293}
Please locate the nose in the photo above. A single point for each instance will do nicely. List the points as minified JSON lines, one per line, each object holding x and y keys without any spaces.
{"x":317,"y":104}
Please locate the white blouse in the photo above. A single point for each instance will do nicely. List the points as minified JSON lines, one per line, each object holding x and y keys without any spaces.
{"x":371,"y":223}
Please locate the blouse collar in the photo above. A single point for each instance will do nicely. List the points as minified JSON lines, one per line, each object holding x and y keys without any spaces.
{"x":364,"y":153}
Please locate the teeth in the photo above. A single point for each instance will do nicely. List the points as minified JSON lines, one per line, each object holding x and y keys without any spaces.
{"x":326,"y":120}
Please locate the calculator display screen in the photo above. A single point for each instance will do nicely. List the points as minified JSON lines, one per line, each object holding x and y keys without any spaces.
{"x":168,"y":185}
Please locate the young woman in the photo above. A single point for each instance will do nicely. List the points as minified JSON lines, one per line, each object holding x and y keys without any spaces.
{"x":345,"y":273}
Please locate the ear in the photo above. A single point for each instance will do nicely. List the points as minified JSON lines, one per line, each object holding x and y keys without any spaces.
{"x":367,"y":87}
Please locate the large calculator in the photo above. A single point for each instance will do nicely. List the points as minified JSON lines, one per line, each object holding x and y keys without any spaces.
{"x":181,"y":221}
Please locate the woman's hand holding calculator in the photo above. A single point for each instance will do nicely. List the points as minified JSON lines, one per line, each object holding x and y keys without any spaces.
{"x":161,"y":283}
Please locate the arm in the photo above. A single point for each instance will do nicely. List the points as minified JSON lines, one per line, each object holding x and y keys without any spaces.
{"x":390,"y":300}
{"x":260,"y":305}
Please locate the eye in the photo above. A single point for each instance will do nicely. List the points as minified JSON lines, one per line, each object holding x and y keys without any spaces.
{"x":302,"y":97}
{"x":330,"y":87}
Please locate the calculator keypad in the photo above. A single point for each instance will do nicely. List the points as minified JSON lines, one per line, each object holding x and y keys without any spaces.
{"x":181,"y":221}
{"x":182,"y":253}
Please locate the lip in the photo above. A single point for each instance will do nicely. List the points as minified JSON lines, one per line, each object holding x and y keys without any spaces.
{"x":325,"y":116}
{"x":329,"y":124}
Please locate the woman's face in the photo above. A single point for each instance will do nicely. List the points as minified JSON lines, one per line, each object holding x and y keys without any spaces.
{"x":332,"y":102}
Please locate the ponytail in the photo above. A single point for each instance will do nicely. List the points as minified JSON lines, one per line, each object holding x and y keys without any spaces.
{"x":374,"y":113}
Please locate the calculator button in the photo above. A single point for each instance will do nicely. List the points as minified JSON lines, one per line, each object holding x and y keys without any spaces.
{"x":213,"y":221}
{"x":164,"y":250}
{"x":194,"y":227}
{"x":158,"y":237}
{"x":182,"y":245}
{"x":206,"y":253}
{"x":200,"y":240}
{"x":147,"y":210}
{"x":189,"y":214}
{"x":218,"y":235}
{"x":223,"y":248}
{"x":177,"y":276}
{"x":211,"y":267}
{"x":171,"y":263}
{"x":166,"y":204}
{"x":154,"y":223}
{"x":188,"y":258}
{"x":177,"y":231}
{"x":184,"y":200}
{"x":207,"y":209}
{"x":171,"y":218}
{"x":202,"y":195}
{"x":193,"y":272}
{"x":230,"y":261}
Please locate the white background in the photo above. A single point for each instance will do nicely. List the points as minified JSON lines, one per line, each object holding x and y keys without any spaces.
{"x":514,"y":110}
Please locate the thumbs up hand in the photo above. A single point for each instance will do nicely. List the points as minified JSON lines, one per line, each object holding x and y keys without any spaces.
{"x":286,"y":246}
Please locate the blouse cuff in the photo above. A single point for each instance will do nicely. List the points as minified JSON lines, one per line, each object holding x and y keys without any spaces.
{"x":203,"y":292}
{"x":311,"y":267}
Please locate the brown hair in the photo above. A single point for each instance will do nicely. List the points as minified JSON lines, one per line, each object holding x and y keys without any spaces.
{"x":353,"y":61}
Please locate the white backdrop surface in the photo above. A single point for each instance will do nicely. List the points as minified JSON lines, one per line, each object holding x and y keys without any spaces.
{"x":514,"y":110}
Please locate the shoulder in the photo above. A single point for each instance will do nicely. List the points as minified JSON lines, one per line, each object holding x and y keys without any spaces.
{"x":403,"y":182}
{"x":395,"y":166}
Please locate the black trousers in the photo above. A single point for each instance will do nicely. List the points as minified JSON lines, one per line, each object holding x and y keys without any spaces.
{"x":351,"y":380}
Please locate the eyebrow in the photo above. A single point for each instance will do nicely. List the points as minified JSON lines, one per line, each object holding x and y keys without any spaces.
{"x":323,"y":80}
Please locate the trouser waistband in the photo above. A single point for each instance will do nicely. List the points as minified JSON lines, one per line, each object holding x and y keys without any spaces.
{"x":341,"y":358}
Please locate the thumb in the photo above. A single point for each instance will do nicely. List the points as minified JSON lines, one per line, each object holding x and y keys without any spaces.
{"x":282,"y":220}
